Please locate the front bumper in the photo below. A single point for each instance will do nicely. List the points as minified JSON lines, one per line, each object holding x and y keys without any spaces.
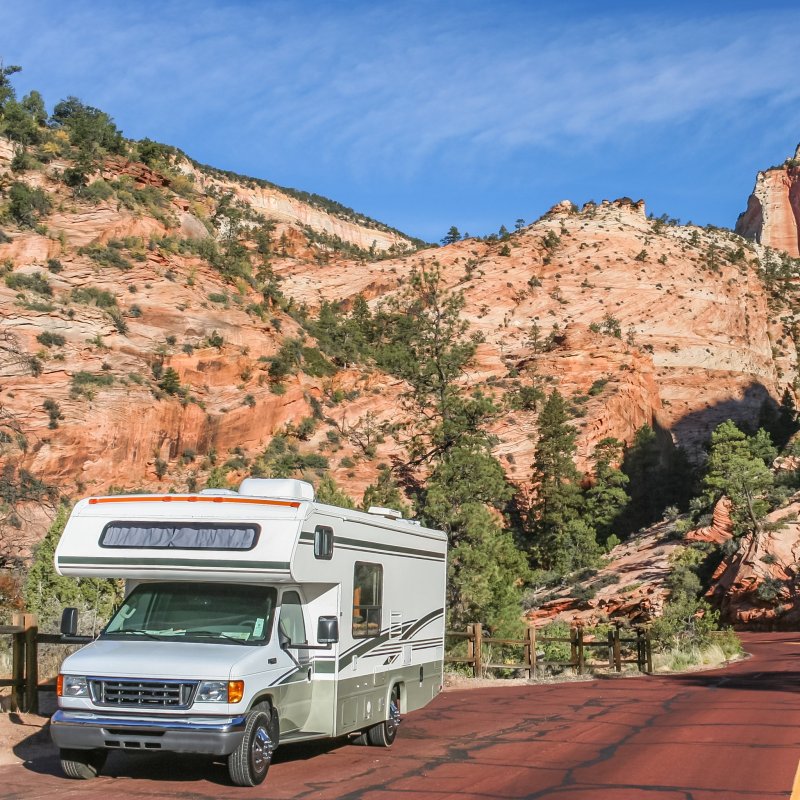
{"x":84,"y":730}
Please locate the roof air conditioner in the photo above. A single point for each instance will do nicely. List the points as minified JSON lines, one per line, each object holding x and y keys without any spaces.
{"x":277,"y":488}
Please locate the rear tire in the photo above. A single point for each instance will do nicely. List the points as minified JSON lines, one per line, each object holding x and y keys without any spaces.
{"x":249,"y":762}
{"x":82,"y":765}
{"x":384,"y":733}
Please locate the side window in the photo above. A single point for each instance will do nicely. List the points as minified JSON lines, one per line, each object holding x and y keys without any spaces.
{"x":291,"y":620}
{"x":323,"y":542}
{"x":367,"y":599}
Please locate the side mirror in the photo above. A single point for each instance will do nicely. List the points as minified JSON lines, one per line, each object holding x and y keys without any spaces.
{"x":328,"y":630}
{"x":284,"y":641}
{"x":69,"y":622}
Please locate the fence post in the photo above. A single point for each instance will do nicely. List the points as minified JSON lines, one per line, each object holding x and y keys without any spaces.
{"x":532,"y":630}
{"x":611,"y":650}
{"x":527,"y":651}
{"x":573,"y":646}
{"x":648,"y":649}
{"x":617,"y":650}
{"x":478,"y":628}
{"x":471,"y":646}
{"x":18,"y":664}
{"x":580,"y":650}
{"x":31,"y":664}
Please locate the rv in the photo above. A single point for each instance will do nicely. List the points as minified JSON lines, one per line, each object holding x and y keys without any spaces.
{"x":251,"y":618}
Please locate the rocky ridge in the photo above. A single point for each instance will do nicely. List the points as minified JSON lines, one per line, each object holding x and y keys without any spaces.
{"x":637,"y":321}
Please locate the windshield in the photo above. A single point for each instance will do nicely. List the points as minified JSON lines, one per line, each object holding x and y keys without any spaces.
{"x":195,"y":612}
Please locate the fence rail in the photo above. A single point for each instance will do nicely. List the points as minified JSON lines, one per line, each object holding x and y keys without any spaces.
{"x":25,"y":684}
{"x":479,"y":650}
{"x":24,"y":680}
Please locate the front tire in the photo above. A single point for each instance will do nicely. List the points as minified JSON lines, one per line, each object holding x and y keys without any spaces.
{"x":82,"y":765}
{"x":249,"y":762}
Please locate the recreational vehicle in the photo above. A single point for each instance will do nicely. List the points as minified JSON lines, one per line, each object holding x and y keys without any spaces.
{"x":251,"y":618}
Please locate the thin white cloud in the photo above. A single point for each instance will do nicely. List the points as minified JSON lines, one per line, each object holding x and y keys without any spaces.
{"x":395,"y":87}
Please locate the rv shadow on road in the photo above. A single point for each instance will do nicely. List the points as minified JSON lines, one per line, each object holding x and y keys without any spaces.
{"x":39,"y":755}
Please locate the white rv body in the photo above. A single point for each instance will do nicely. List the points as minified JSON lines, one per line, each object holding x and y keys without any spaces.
{"x":382,"y":578}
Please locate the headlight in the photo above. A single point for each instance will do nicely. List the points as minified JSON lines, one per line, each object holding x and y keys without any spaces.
{"x":220,"y":692}
{"x":213,"y":692}
{"x":72,"y":686}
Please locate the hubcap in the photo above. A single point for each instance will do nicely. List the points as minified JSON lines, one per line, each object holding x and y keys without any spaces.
{"x":393,"y":723}
{"x":261,"y":749}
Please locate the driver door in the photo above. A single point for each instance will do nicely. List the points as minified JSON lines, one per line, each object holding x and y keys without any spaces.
{"x":295,"y":704}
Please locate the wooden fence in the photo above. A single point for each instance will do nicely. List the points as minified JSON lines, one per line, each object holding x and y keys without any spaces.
{"x":25,"y":684}
{"x":581,"y":647}
{"x":24,"y":681}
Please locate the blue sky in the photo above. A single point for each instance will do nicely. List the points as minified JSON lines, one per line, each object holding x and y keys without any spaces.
{"x":431,"y":114}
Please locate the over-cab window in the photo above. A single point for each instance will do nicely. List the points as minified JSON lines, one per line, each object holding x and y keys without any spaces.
{"x":367,"y":599}
{"x":323,"y":542}
{"x":179,"y":535}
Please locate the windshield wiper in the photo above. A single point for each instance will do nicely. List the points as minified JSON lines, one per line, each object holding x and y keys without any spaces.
{"x":217,"y":635}
{"x":138,"y":631}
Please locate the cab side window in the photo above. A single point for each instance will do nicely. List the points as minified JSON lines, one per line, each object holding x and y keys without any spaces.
{"x":323,"y":542}
{"x":367,"y":600}
{"x":291,"y":621}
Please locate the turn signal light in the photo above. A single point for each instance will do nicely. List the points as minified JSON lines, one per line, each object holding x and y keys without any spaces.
{"x":60,"y":685}
{"x":235,"y":691}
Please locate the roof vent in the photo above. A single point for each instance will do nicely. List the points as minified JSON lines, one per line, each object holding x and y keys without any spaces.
{"x":389,"y":513}
{"x":277,"y":488}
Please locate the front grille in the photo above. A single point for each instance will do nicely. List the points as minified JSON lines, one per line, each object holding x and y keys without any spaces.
{"x":142,"y":694}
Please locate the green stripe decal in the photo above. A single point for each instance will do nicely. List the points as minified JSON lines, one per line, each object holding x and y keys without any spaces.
{"x":133,"y":561}
{"x":391,"y":549}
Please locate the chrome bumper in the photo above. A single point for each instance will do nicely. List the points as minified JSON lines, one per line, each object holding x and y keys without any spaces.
{"x":83,"y":730}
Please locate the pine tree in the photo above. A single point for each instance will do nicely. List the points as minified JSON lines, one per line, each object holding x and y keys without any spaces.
{"x":452,"y":236}
{"x":47,"y":592}
{"x":736,"y":468}
{"x":562,"y":540}
{"x":385,"y":493}
{"x":460,"y":486}
{"x":607,"y":498}
{"x":329,"y":492}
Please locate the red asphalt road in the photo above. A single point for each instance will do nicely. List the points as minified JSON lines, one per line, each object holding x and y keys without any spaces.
{"x":731,"y":734}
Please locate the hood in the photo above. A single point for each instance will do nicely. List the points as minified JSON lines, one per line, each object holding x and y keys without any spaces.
{"x":149,"y":659}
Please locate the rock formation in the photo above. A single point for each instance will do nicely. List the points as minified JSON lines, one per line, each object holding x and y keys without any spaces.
{"x":772,"y":217}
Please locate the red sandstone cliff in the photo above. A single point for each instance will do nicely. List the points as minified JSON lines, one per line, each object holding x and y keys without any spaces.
{"x":636,"y":322}
{"x":772,"y":217}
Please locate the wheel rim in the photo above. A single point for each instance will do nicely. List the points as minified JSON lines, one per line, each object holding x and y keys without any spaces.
{"x":261,"y":750}
{"x":393,"y":723}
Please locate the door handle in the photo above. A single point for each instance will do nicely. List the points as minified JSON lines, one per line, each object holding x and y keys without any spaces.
{"x":272,"y":661}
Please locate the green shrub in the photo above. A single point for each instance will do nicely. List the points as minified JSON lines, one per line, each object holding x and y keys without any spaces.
{"x":35,"y":282}
{"x":107,"y":256}
{"x":97,"y":191}
{"x":50,"y":339}
{"x":27,"y":205}
{"x":53,"y":411}
{"x":54,"y":265}
{"x":91,"y":296}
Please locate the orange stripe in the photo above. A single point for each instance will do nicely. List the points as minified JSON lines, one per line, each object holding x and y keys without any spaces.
{"x":169,"y":498}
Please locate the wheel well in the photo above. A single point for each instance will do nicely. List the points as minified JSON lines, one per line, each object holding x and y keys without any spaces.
{"x":400,"y":687}
{"x":262,"y":698}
